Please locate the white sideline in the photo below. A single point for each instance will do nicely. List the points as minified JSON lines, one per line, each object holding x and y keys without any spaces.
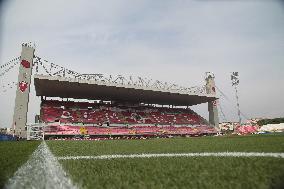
{"x":204,"y":154}
{"x":42,"y":170}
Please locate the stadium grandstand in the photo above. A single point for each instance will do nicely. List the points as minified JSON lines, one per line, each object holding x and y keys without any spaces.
{"x":75,"y":118}
{"x":94,"y":105}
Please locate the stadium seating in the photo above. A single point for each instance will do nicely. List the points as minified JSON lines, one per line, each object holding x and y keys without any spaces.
{"x":246,"y":129}
{"x":71,"y":112}
{"x":99,"y":119}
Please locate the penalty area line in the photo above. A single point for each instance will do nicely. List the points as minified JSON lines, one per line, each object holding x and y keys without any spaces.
{"x":203,"y":154}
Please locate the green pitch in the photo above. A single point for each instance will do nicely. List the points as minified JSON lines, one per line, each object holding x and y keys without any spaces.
{"x":202,"y":172}
{"x":252,"y":143}
{"x":161,"y":172}
{"x":12,"y":156}
{"x":175,"y":172}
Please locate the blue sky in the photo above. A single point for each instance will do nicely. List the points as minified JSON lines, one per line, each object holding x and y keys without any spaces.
{"x":176,"y":41}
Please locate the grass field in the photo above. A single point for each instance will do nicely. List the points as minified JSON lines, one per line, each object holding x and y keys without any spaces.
{"x":12,"y":156}
{"x":252,"y":143}
{"x":160,"y":172}
{"x":202,"y":172}
{"x":175,"y":172}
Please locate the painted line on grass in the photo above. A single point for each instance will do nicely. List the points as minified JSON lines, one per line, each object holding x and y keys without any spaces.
{"x":42,"y":170}
{"x":203,"y":154}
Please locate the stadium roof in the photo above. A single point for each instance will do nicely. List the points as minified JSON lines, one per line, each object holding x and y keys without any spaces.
{"x":55,"y":86}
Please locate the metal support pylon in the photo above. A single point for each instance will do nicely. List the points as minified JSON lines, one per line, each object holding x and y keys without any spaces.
{"x":23,"y":90}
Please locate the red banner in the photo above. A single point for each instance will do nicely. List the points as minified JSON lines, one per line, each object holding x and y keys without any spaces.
{"x":26,"y":64}
{"x":23,"y":86}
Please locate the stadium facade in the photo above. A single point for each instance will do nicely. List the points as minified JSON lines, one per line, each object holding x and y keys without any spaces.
{"x":122,"y":103}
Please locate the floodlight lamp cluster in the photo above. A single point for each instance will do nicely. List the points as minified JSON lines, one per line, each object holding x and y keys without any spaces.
{"x":209,"y":75}
{"x":235,"y":78}
{"x":29,"y":44}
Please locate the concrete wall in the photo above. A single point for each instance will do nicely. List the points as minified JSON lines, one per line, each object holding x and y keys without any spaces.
{"x":23,"y":90}
{"x":212,"y":106}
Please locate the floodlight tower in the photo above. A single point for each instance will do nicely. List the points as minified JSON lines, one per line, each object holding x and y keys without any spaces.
{"x":212,"y":106}
{"x":235,"y":83}
{"x":23,"y":90}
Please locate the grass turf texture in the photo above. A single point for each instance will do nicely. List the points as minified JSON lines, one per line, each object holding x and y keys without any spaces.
{"x":201,"y":172}
{"x":193,"y":172}
{"x":13,"y":155}
{"x":253,"y":143}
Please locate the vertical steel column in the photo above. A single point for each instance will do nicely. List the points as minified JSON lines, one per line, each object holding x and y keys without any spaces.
{"x":235,"y":82}
{"x":238,"y":105}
